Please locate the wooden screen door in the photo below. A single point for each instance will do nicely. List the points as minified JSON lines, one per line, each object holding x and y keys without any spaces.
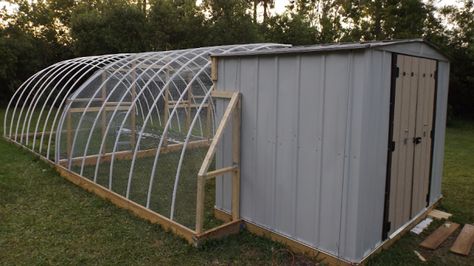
{"x":411,"y":138}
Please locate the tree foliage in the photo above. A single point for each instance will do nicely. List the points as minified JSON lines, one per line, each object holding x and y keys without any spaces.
{"x":39,"y":33}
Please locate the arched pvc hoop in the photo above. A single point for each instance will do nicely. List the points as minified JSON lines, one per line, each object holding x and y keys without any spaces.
{"x":145,"y":73}
{"x":115,"y":110}
{"x":92,"y":67}
{"x":124,"y":120}
{"x":103,"y":83}
{"x":180,"y":163}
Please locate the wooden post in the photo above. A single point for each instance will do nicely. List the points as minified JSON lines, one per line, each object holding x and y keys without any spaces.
{"x":232,"y":110}
{"x":208,"y":120}
{"x":200,"y":196}
{"x":188,"y":109}
{"x":167,"y":108}
{"x":69,"y":135}
{"x":214,"y":68}
{"x":133,"y":117}
{"x":104,"y":112}
{"x":236,"y":123}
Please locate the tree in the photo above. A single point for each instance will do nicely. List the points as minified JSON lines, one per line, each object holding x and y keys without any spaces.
{"x":291,"y":29}
{"x":229,"y":22}
{"x":119,"y":28}
{"x":176,"y":24}
{"x":460,"y":48}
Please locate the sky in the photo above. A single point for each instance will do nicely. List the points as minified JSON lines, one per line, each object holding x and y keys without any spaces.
{"x":281,"y":4}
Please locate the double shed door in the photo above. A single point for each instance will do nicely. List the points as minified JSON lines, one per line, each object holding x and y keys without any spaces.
{"x":413,"y":110}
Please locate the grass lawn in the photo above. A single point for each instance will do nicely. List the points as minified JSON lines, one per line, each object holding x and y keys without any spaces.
{"x":44,"y":219}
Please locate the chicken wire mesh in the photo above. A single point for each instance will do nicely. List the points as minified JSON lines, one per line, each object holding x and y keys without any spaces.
{"x":136,"y":124}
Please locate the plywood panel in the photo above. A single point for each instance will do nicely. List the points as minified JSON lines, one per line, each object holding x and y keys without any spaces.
{"x":464,"y":241}
{"x":439,"y":235}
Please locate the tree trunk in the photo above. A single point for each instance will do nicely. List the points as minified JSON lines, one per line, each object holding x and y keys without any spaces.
{"x":255,"y":3}
{"x":265,"y":5}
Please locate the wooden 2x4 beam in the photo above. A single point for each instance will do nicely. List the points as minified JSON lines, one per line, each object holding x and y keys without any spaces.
{"x":128,"y":155}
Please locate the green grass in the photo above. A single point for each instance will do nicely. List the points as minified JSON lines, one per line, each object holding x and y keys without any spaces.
{"x":44,"y":219}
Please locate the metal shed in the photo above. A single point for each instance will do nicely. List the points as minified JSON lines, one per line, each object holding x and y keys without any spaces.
{"x":341,"y":145}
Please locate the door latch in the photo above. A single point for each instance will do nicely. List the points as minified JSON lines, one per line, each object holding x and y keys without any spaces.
{"x":417,"y":140}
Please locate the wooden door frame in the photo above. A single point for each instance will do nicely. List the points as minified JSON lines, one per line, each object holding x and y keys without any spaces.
{"x":386,"y":225}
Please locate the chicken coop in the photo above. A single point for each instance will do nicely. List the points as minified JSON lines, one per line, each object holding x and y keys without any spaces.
{"x":331,"y":149}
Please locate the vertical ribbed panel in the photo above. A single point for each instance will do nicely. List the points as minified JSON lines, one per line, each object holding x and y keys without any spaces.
{"x":314,"y":144}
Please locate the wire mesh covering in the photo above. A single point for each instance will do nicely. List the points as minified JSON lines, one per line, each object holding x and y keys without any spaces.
{"x":136,"y":124}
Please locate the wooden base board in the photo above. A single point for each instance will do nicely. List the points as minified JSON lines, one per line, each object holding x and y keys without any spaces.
{"x":464,"y":241}
{"x":439,"y":235}
{"x":229,"y":228}
{"x":127,"y":204}
{"x":314,"y":252}
{"x":437,"y":214}
{"x":293,"y":245}
{"x":127,"y":155}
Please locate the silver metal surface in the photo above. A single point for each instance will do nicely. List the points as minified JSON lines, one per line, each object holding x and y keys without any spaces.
{"x":314,"y":140}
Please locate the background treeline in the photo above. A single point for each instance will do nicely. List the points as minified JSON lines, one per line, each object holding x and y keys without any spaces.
{"x":39,"y":33}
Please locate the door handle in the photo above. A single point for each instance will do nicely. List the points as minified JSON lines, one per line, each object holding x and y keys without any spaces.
{"x":417,"y":140}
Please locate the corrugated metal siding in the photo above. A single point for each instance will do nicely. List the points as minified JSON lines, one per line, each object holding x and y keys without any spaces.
{"x":368,"y":186}
{"x":314,"y":146}
{"x":440,"y":128}
{"x":298,"y":153}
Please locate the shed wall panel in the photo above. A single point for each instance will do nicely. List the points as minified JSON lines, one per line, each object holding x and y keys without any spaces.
{"x":286,"y":118}
{"x":440,"y":130}
{"x":314,"y":145}
{"x":310,"y":129}
{"x":373,"y":156}
{"x":358,"y":81}
{"x":334,"y":137}
{"x":294,"y":143}
{"x":266,"y":142}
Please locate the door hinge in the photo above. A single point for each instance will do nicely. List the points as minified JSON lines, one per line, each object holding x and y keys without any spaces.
{"x":428,"y":198}
{"x":397,"y":72}
{"x":431,"y":134}
{"x":391,"y":146}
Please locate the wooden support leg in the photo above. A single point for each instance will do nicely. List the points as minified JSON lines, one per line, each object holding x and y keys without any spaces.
{"x":104,"y":112}
{"x":133,"y":117}
{"x":208,"y":121}
{"x":133,"y":125}
{"x":200,"y":195}
{"x":236,"y":162}
{"x":69,"y":135}
{"x":166,"y":116}
{"x":188,"y":110}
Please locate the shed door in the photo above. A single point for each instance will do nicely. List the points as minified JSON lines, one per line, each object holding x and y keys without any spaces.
{"x":412,"y":138}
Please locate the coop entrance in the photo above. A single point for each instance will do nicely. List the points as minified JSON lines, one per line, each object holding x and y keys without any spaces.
{"x":410,"y":141}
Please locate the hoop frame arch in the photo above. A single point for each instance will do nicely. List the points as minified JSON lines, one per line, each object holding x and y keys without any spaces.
{"x":136,"y":84}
